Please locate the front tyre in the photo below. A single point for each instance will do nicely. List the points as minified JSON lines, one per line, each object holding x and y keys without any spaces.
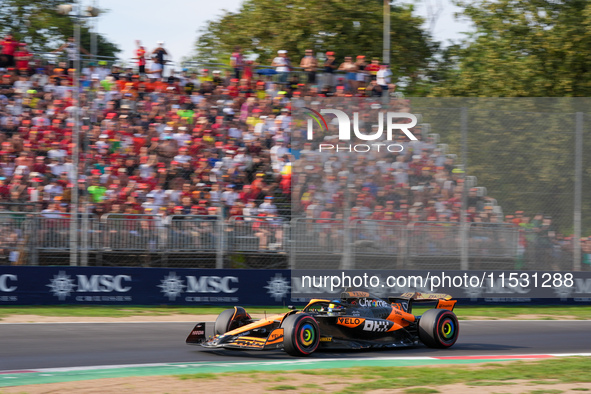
{"x":230,"y":319}
{"x":439,"y":328}
{"x":301,"y":334}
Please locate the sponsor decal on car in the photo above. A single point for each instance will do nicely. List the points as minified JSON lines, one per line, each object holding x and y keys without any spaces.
{"x":368,"y":303}
{"x":275,"y":336}
{"x":350,"y":321}
{"x":377,"y":325}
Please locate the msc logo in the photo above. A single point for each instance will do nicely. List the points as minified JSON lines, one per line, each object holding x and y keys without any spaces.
{"x":103,"y":283}
{"x":62,"y":284}
{"x":211,"y":284}
{"x":7,"y":282}
{"x":582,"y":285}
{"x":377,"y":325}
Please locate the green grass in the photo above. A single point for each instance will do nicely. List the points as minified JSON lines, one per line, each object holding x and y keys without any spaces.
{"x":123,"y":311}
{"x":283,"y":387}
{"x":421,"y":390}
{"x":418,"y":380}
{"x":563,"y":370}
{"x":203,"y":376}
{"x":582,"y":312}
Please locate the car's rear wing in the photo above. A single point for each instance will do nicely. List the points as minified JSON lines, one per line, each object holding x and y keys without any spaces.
{"x":444,"y":301}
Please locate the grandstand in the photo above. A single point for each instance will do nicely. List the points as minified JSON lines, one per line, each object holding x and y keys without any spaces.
{"x":203,"y":170}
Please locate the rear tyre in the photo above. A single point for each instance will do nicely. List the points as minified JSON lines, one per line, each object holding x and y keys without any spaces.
{"x":231,"y":319}
{"x":439,"y":328}
{"x":301,"y":334}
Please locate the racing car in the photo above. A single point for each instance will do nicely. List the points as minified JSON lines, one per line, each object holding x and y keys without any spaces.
{"x":358,"y":320}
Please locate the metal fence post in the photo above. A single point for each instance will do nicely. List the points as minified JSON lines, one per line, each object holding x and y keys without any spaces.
{"x":33,"y":225}
{"x":219,"y":258}
{"x":292,"y":244}
{"x":578,"y":190}
{"x":347,"y":261}
{"x":464,"y":225}
{"x":76,"y":148}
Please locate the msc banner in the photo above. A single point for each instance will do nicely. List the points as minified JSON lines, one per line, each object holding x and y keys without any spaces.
{"x":141,"y":286}
{"x":167,"y":286}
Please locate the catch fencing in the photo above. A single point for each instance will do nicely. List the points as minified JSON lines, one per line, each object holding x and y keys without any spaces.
{"x":253,"y":242}
{"x":478,"y":167}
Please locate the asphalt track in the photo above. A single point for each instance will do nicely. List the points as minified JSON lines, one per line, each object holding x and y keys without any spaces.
{"x":34,"y":346}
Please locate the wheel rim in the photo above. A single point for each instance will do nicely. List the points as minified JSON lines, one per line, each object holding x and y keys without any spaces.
{"x":447,"y":330}
{"x":307,"y":335}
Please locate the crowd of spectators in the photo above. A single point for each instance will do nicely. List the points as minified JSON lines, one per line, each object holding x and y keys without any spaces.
{"x":218,"y":143}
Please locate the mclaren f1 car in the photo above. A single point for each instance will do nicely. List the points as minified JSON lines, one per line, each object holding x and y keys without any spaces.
{"x":358,"y":320}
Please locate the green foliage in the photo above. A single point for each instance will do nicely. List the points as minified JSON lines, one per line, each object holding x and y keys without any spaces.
{"x":529,"y":48}
{"x":582,"y":312}
{"x":521,"y":149}
{"x":349,"y":28}
{"x":38,"y":24}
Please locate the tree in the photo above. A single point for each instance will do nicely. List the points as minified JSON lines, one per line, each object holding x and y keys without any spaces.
{"x":39,"y":25}
{"x":535,"y":48}
{"x":349,"y":28}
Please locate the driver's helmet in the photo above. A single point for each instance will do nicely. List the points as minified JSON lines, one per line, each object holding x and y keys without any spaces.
{"x":335,"y":306}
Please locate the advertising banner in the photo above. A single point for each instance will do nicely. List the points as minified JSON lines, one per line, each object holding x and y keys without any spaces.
{"x":141,"y":286}
{"x":168,"y":286}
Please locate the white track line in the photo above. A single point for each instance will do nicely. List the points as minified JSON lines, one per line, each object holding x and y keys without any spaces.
{"x":295,"y":362}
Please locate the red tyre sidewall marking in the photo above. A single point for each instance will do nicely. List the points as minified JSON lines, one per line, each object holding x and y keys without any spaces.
{"x":444,"y":315}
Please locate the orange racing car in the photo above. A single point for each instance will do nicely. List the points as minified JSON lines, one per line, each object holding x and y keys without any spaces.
{"x":358,"y":320}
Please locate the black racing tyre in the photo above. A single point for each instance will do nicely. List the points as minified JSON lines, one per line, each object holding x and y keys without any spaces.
{"x":222,"y":323}
{"x":439,"y":328}
{"x":301,"y":334}
{"x":231,"y":319}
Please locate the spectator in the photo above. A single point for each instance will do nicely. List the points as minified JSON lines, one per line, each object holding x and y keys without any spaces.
{"x":282,"y":66}
{"x":237,"y":62}
{"x":9,"y":46}
{"x":383,"y":77}
{"x":140,"y":54}
{"x":309,"y":63}
{"x":350,"y":68}
{"x":159,"y":59}
{"x":72,"y":50}
{"x":330,"y":65}
{"x":268,"y":207}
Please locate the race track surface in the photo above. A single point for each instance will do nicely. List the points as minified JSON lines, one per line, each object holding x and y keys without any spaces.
{"x":52,"y":345}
